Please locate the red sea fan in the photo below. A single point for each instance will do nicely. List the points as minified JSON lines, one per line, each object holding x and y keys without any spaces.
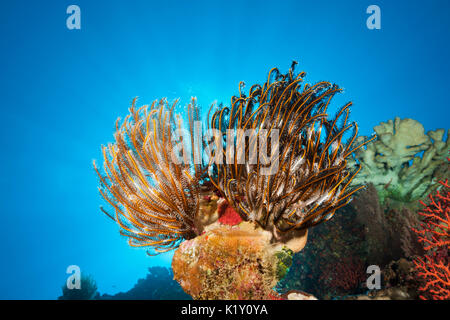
{"x":434,"y":234}
{"x":436,"y":274}
{"x":434,"y":231}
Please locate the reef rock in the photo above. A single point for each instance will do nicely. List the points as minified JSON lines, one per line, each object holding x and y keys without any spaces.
{"x":231,"y":262}
{"x":399,"y":283}
{"x":396,"y":293}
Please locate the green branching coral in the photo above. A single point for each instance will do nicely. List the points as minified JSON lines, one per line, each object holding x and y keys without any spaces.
{"x":402,"y":162}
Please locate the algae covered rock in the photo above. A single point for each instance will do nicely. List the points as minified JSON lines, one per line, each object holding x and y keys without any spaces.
{"x":231,"y":262}
{"x":403,"y":161}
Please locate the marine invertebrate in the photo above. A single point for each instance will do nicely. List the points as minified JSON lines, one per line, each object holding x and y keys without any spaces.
{"x":150,"y":179}
{"x":434,"y":234}
{"x":436,"y":273}
{"x":296,"y":175}
{"x":394,"y":164}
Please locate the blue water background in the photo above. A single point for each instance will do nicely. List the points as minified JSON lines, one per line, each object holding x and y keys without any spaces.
{"x":62,"y":90}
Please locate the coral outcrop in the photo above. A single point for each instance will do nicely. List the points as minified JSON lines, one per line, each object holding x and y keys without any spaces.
{"x":365,"y":230}
{"x":287,"y":172}
{"x":403,"y":161}
{"x":410,"y":247}
{"x":231,"y":262}
{"x":399,"y":280}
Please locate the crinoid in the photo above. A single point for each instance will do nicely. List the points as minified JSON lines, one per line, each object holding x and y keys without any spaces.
{"x":285,"y":162}
{"x":153,"y":176}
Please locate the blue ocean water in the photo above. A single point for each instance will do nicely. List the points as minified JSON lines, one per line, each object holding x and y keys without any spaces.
{"x":62,"y":91}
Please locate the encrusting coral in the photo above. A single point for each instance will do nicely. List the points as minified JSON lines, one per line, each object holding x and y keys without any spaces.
{"x":228,"y":263}
{"x":232,"y":260}
{"x":394,"y":164}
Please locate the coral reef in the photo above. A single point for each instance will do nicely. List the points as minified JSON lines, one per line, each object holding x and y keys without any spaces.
{"x":230,"y":262}
{"x":403,"y":161}
{"x":363,"y":230}
{"x":238,"y":223}
{"x":306,"y":183}
{"x":434,"y":234}
{"x":412,"y":249}
{"x":399,"y":280}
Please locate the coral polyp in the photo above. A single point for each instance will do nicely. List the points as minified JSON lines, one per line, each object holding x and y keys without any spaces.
{"x":296,"y":176}
{"x":154,"y":193}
